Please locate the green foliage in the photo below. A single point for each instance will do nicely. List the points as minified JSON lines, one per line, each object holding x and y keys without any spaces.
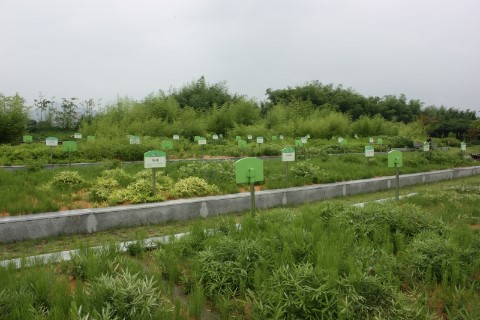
{"x":209,"y":170}
{"x":66,"y":180}
{"x":193,"y":187}
{"x":13,"y":118}
{"x":126,"y":295}
{"x":200,"y":95}
{"x":296,"y":292}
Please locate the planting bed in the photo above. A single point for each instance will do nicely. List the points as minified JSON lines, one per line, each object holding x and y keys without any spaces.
{"x":37,"y":190}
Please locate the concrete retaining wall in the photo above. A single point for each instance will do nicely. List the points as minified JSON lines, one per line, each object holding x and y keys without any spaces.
{"x":44,"y":225}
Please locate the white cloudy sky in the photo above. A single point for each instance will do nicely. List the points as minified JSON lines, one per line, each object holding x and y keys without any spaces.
{"x":427,"y":49}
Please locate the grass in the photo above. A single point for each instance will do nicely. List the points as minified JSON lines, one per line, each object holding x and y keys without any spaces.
{"x":412,"y":259}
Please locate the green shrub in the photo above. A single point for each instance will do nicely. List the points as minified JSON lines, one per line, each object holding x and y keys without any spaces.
{"x":400,"y":142}
{"x":210,"y":171}
{"x":103,"y":188}
{"x":126,"y":296}
{"x":67,"y":179}
{"x":296,"y":292}
{"x":193,"y":187}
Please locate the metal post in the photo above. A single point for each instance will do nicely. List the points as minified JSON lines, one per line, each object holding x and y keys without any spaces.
{"x":252,"y":195}
{"x":154,"y":174}
{"x":397,"y":192}
{"x":69,"y":162}
{"x":286,"y":171}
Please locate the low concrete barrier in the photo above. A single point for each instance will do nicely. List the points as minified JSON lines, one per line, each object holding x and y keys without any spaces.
{"x":44,"y":225}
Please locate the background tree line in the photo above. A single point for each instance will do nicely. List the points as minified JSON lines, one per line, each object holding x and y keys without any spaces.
{"x":199,"y":108}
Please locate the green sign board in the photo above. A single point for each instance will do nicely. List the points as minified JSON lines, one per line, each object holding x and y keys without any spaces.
{"x":196,"y":138}
{"x":69,"y":146}
{"x":274,"y":138}
{"x":167,"y":144}
{"x":155,"y":159}
{"x":395,"y":159}
{"x":379,"y":141}
{"x":27,"y":139}
{"x":238,"y":138}
{"x":344,"y":142}
{"x":298,"y":143}
{"x":249,"y":170}
{"x":90,"y":138}
{"x":242,"y":143}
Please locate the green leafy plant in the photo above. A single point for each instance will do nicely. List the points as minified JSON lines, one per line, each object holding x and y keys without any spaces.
{"x":193,"y":187}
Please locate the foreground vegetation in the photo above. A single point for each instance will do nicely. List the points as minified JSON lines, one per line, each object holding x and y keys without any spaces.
{"x":418,"y":258}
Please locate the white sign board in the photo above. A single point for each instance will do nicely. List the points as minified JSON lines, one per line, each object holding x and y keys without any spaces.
{"x":288,"y":156}
{"x":340,"y":139}
{"x":369,"y":153}
{"x":215,"y":137}
{"x":463,"y":146}
{"x":426,"y":147}
{"x":51,"y":142}
{"x":259,"y":139}
{"x":281,"y":137}
{"x":371,"y":140}
{"x":304,"y":139}
{"x":77,"y":136}
{"x":134,"y":140}
{"x":249,"y":137}
{"x":176,"y":137}
{"x":155,"y":162}
{"x":202,"y":141}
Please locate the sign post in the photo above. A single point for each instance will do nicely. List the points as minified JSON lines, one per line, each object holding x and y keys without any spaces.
{"x":152,"y":160}
{"x":242,"y":144}
{"x":369,"y":153}
{"x":395,"y":161}
{"x":69,"y":146}
{"x":463,"y":147}
{"x":288,"y":155}
{"x":201,"y":142}
{"x":51,"y":142}
{"x":249,"y":170}
{"x":298,"y":144}
{"x":27,"y":139}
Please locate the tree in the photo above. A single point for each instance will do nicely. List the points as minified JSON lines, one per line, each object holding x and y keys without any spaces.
{"x":43,"y":105}
{"x":13,"y":118}
{"x":67,"y":117}
{"x":201,"y":96}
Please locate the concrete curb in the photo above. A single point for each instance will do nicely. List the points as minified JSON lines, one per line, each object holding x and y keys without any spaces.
{"x":82,"y":221}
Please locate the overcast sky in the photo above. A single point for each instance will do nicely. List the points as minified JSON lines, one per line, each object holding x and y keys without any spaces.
{"x":426,"y":49}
